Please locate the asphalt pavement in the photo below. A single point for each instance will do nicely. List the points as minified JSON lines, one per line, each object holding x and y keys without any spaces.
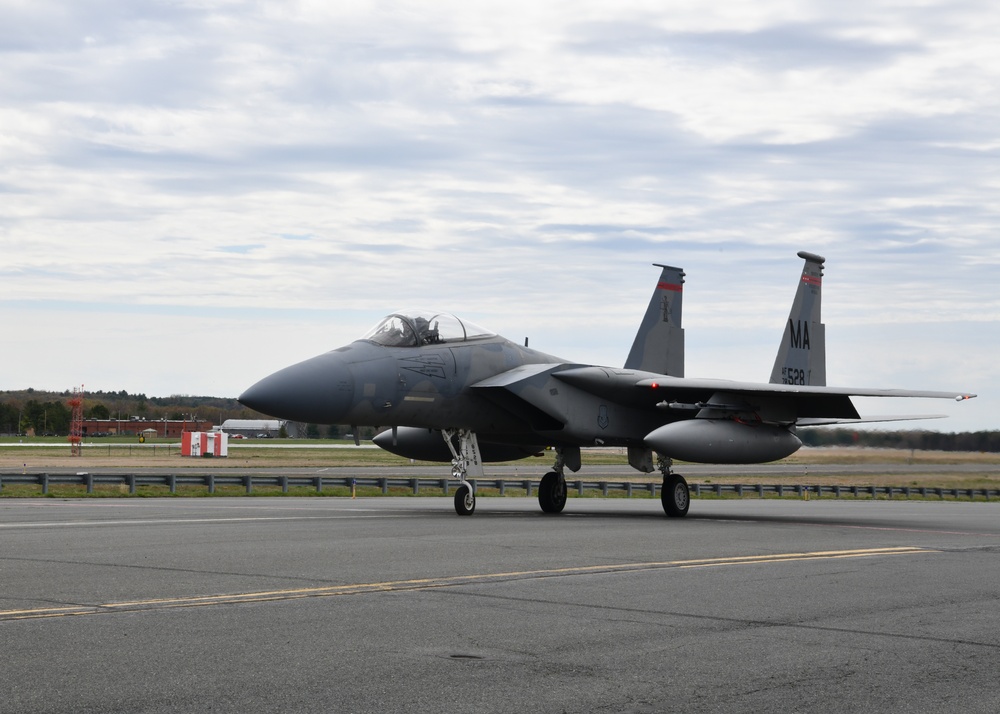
{"x":399,"y":605}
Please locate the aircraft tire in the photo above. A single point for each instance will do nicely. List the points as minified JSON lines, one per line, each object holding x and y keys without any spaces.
{"x":465,"y":500}
{"x":552,"y":492}
{"x":676,"y":496}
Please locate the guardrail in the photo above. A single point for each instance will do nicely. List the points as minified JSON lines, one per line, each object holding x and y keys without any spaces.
{"x":698,"y":490}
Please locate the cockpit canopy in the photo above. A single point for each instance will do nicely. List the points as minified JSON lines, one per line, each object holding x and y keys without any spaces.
{"x":414,"y":328}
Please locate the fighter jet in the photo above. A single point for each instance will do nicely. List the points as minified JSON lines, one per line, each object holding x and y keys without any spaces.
{"x":449,"y":390}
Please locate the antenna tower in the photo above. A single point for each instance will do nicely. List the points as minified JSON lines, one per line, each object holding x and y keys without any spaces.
{"x":76,"y":422}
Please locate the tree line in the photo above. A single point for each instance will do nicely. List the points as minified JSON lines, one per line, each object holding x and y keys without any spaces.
{"x":919,"y":440}
{"x":46,"y":412}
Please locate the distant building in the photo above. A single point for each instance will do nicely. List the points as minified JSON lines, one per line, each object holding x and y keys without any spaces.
{"x":254,"y":428}
{"x":163,"y":428}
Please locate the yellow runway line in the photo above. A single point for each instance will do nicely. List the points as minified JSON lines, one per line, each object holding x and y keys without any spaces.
{"x":442,"y":582}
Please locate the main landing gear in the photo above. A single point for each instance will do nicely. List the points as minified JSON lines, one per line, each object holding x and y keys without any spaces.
{"x":675,"y":495}
{"x":552,"y":489}
{"x":467,"y":463}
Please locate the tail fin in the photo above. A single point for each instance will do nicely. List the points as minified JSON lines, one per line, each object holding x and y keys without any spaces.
{"x":659,"y":344}
{"x":802,"y":354}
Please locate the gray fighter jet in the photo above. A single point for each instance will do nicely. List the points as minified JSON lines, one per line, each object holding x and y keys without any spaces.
{"x":449,"y":390}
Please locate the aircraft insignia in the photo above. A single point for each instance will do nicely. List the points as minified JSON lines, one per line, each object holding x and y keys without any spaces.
{"x":427,"y":365}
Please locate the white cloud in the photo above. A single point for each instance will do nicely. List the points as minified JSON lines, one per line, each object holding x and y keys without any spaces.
{"x":341,"y":160}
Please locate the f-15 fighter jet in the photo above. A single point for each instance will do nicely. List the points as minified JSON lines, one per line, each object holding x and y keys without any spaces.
{"x":450,"y":390}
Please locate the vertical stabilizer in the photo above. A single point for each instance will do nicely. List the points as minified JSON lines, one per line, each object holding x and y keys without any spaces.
{"x":802,"y":354}
{"x":659,"y":344}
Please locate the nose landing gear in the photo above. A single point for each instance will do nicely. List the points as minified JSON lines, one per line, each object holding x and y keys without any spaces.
{"x":466,"y":461}
{"x":465,"y":500}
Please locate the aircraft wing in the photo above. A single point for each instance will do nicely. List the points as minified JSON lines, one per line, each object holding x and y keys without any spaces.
{"x":526,"y":391}
{"x":781,"y":402}
{"x":868,"y":419}
{"x":672,"y":383}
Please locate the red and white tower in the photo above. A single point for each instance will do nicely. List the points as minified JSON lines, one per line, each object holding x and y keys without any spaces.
{"x":76,"y":422}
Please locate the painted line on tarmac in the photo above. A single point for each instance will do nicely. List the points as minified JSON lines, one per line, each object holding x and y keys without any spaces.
{"x":182,"y":521}
{"x":442,"y":582}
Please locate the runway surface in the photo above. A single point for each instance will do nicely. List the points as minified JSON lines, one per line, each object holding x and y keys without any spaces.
{"x":396,"y":604}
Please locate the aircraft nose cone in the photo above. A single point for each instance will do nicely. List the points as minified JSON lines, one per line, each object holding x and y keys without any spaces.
{"x":318,"y":391}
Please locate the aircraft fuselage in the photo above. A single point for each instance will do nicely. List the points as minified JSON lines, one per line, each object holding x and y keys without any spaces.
{"x":433,"y":387}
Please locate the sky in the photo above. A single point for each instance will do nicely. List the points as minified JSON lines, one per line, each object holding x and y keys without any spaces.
{"x":196,"y":194}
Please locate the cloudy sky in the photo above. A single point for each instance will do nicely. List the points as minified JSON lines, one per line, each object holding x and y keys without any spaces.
{"x":196,"y":193}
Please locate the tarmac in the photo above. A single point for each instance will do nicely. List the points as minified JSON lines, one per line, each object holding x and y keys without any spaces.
{"x":399,"y":605}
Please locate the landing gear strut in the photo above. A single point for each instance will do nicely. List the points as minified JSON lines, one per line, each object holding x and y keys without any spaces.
{"x":552,"y":489}
{"x":675,"y":495}
{"x":465,"y":462}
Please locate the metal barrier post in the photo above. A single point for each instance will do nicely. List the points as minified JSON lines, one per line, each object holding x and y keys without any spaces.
{"x":45,"y":484}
